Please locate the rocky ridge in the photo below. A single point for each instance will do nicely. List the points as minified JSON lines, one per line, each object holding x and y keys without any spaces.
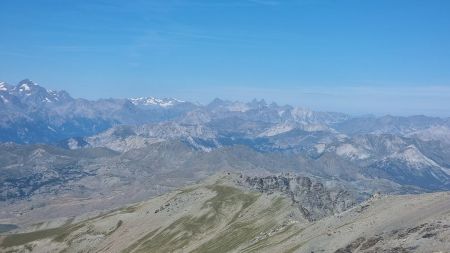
{"x":312,"y":198}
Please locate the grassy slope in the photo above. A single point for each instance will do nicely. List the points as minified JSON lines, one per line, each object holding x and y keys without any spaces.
{"x":227,"y":219}
{"x":219,"y":217}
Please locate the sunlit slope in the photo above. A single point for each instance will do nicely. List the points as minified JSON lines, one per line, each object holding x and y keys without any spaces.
{"x":211,"y":217}
{"x":220,"y":216}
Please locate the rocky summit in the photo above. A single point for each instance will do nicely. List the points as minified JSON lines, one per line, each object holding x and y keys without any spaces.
{"x":312,"y":198}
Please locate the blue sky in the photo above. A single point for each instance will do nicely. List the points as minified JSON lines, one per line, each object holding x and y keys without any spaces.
{"x":360,"y":56}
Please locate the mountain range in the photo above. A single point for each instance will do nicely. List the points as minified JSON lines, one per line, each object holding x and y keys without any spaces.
{"x":62,"y":156}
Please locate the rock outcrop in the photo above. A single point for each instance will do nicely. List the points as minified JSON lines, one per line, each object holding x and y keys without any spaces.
{"x":313,"y":199}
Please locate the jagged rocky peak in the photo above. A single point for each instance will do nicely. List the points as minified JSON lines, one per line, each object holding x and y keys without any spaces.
{"x":257,"y":104}
{"x":313,"y":199}
{"x":27,"y":86}
{"x":219,"y":105}
{"x":218,"y":102}
{"x":281,"y":183}
{"x":30,"y":92}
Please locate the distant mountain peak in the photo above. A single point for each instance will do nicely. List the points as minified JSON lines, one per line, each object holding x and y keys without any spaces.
{"x":27,"y":81}
{"x":227,"y":105}
{"x":255,"y":103}
{"x":152,"y":101}
{"x":218,"y":102}
{"x":27,"y":85}
{"x":30,"y":92}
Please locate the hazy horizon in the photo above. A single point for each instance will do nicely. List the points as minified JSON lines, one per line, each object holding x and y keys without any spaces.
{"x":337,"y":100}
{"x":357,"y":57}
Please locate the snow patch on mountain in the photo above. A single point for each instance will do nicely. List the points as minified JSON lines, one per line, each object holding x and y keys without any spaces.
{"x":151,"y":101}
{"x":24,"y":87}
{"x":3,"y":86}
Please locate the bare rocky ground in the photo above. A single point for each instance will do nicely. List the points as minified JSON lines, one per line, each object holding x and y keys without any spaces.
{"x":230,"y":213}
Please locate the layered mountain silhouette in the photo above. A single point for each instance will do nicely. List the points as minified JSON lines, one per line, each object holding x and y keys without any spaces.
{"x":403,"y":153}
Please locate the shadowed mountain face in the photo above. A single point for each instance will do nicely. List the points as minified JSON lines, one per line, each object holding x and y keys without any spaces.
{"x":101,"y":154}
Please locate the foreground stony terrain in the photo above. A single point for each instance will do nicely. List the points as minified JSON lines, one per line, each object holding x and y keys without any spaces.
{"x":234,"y":213}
